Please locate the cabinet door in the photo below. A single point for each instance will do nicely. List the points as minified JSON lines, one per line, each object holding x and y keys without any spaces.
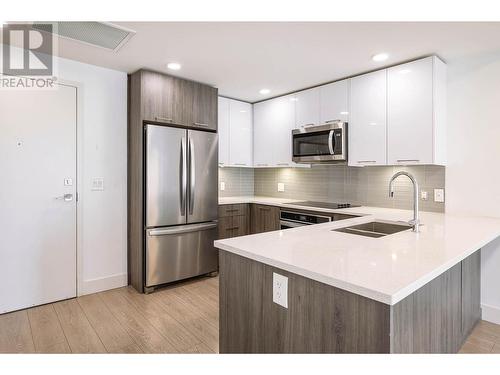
{"x":241,"y":134}
{"x":263,"y":142}
{"x":281,"y":124}
{"x":264,"y":218}
{"x":307,"y":108}
{"x":158,"y":97}
{"x":201,"y":111}
{"x":334,"y":102}
{"x":223,"y":130}
{"x":409,"y":113}
{"x":368,"y":126}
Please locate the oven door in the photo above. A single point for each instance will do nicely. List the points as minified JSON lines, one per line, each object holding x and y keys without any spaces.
{"x":285,"y":224}
{"x":325,"y":143}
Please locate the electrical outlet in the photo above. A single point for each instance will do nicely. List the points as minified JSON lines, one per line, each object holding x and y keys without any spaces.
{"x":281,"y":186}
{"x":439,"y":195}
{"x":222,"y":186}
{"x":423,"y":195}
{"x":280,"y":290}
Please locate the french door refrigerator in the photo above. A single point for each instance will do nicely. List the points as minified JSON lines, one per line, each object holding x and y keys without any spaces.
{"x":180,"y":204}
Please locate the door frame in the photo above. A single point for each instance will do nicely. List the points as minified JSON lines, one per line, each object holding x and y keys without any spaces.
{"x":80,"y":89}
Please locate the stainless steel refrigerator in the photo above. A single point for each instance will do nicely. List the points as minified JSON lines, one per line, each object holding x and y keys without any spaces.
{"x":180,"y":203}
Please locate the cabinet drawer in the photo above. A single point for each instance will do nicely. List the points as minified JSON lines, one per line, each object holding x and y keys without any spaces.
{"x":233,"y":226}
{"x":233,"y":210}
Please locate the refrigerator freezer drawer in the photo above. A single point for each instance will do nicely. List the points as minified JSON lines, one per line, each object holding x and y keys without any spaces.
{"x":179,"y":252}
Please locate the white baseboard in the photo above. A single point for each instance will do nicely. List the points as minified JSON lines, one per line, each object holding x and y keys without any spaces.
{"x":490,"y":313}
{"x":103,"y":283}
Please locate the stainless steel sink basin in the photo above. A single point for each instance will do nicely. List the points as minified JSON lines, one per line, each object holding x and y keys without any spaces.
{"x":374,"y":229}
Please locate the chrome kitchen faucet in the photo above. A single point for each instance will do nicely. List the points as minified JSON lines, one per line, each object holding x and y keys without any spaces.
{"x":415,"y":222}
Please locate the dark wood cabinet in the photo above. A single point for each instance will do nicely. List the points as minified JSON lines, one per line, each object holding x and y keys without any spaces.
{"x":162,"y":99}
{"x":233,"y":220}
{"x":437,"y":318}
{"x":264,"y":218}
{"x":177,"y":101}
{"x":204,"y":106}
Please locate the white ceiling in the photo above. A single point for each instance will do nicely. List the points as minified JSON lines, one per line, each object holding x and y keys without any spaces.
{"x":242,"y":58}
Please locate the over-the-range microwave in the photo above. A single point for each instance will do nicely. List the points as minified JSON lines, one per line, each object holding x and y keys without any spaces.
{"x":320,"y":143}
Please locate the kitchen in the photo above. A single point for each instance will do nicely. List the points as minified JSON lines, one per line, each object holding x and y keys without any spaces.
{"x":336,"y":212}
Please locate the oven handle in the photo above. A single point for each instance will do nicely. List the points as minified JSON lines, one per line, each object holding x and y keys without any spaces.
{"x":291,"y":224}
{"x":330,"y":142}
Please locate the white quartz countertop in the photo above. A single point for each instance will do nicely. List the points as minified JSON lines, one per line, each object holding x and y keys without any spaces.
{"x":386,"y":269}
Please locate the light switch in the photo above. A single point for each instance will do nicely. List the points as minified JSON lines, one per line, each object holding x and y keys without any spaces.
{"x":439,"y":195}
{"x":222,"y":186}
{"x":98,"y":184}
{"x":68,"y":182}
{"x":423,"y":195}
{"x":280,"y":289}
{"x":281,"y":186}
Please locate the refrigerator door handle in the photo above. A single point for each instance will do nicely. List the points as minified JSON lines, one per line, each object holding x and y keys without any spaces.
{"x":183,"y":176}
{"x":192,"y":176}
{"x":180,"y":230}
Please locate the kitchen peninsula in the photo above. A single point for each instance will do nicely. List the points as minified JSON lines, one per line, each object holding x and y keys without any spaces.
{"x":404,"y":292}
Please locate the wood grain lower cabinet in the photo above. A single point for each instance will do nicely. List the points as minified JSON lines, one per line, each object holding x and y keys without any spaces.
{"x":264,"y":218}
{"x":437,"y":318}
{"x":234,"y":220}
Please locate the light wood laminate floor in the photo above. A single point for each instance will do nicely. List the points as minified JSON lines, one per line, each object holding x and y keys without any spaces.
{"x":183,"y":318}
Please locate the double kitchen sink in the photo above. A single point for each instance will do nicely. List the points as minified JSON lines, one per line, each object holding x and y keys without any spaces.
{"x":374,"y":229}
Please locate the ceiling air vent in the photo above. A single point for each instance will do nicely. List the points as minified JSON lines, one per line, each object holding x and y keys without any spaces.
{"x":99,"y":34}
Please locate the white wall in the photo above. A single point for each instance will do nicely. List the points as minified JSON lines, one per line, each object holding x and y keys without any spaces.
{"x":473,"y":171}
{"x":104,"y":154}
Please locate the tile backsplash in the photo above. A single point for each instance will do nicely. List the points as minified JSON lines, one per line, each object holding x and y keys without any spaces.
{"x":237,"y":181}
{"x":337,"y":183}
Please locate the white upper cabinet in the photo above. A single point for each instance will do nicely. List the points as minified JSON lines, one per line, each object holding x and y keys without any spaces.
{"x":416,"y":101}
{"x":235,"y":129}
{"x":307,"y":107}
{"x":263,"y":142}
{"x":223,"y":129}
{"x":274,"y":121}
{"x":367,"y":129}
{"x":334,"y":102}
{"x":241,"y":134}
{"x":283,"y":120}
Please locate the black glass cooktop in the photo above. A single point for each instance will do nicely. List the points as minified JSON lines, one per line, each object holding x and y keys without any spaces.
{"x":329,"y":205}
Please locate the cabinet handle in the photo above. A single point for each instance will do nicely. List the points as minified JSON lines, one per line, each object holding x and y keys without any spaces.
{"x":367,"y":161}
{"x":232,"y":210}
{"x":283,"y":164}
{"x":407,"y":160}
{"x":239,"y":164}
{"x":164,"y":119}
{"x":200,"y":124}
{"x":330,"y":121}
{"x":231,"y":228}
{"x":262,"y":165}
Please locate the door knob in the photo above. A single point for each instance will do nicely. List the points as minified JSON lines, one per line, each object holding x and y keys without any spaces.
{"x":65,"y":197}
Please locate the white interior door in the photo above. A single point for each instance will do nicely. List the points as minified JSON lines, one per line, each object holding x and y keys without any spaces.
{"x":37,"y":196}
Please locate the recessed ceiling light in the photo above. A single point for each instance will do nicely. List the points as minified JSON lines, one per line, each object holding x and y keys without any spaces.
{"x":380,"y":57}
{"x":405,"y":71}
{"x":264,"y":91}
{"x":174,"y":66}
{"x":294,"y":99}
{"x":243,"y":111}
{"x":344,"y":113}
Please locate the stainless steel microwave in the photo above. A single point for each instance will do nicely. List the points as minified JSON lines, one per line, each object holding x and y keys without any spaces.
{"x":320,"y":143}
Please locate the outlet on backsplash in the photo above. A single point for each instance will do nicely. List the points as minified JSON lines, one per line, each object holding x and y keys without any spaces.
{"x":222,"y":186}
{"x":281,"y":187}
